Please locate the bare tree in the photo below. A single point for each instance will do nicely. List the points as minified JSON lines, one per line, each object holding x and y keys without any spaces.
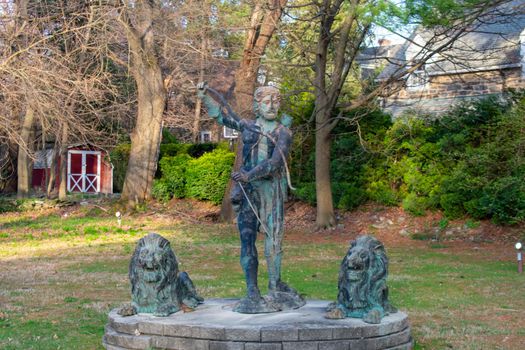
{"x":169,"y":47}
{"x":53,"y":72}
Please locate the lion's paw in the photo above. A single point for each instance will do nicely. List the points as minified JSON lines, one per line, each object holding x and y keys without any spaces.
{"x":335,"y":314}
{"x":373,"y":316}
{"x":127,"y":310}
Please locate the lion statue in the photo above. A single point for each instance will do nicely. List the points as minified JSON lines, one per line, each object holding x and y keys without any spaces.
{"x":363,"y":292}
{"x":157,"y":287}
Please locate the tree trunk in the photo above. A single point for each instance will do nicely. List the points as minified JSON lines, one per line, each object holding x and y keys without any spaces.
{"x":146,"y":137}
{"x":227,"y":213}
{"x":52,"y":172}
{"x":25,"y":162}
{"x":326,"y":95}
{"x":62,"y":188}
{"x":151,"y":97}
{"x":197,"y":120}
{"x":8,"y":178}
{"x":198,"y":102}
{"x":265,"y":17}
{"x":323,"y":185}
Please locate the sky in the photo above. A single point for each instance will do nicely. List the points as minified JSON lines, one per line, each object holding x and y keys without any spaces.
{"x":381,"y":33}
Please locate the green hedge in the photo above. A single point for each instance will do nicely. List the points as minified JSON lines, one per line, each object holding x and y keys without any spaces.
{"x":173,"y":178}
{"x":207,"y":176}
{"x":345,"y":195}
{"x":165,"y":185}
{"x":470,"y":161}
{"x":203,"y":178}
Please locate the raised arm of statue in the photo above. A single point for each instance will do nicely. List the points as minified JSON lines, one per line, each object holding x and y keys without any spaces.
{"x":215,"y":110}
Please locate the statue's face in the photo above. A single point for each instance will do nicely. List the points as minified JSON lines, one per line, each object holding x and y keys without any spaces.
{"x":268,"y":107}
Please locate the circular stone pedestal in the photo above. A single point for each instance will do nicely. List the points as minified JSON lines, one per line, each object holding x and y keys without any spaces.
{"x":213,"y":326}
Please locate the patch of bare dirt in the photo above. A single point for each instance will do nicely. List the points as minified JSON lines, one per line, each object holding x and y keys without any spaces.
{"x":394,"y":226}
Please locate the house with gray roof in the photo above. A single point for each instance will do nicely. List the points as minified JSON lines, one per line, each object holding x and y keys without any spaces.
{"x":488,"y":58}
{"x":372,"y":60}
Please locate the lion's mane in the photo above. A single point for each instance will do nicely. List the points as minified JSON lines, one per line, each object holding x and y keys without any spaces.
{"x":156,"y":285}
{"x":362,"y":281}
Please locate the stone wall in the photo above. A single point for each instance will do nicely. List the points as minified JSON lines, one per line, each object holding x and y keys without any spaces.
{"x":443,"y":91}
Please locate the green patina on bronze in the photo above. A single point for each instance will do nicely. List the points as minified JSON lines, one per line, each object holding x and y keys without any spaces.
{"x":259,"y":194}
{"x":363,"y":292}
{"x":157,"y":287}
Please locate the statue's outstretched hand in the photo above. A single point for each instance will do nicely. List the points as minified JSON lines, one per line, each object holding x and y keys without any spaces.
{"x":214,"y":109}
{"x":240,"y":176}
{"x":201,"y":89}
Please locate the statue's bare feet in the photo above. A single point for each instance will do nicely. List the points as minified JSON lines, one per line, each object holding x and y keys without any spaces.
{"x":166,"y":310}
{"x":253,"y":303}
{"x":283,"y":287}
{"x":284,"y":296}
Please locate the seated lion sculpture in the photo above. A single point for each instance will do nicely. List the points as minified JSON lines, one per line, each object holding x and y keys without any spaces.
{"x":157,"y":287}
{"x":363,"y":292}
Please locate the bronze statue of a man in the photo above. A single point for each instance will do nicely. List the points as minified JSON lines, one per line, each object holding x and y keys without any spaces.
{"x":259,"y":194}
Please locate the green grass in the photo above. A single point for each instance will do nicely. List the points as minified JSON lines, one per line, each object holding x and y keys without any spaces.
{"x":61,"y":276}
{"x":73,"y":330}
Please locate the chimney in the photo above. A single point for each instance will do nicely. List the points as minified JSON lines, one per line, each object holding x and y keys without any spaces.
{"x":384,"y":42}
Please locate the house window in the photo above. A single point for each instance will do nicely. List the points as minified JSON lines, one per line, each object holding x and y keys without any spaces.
{"x":205,"y":136}
{"x":230,"y":133}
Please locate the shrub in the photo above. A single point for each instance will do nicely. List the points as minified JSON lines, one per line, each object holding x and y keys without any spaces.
{"x":348,"y":195}
{"x":207,"y":176}
{"x":173,"y":170}
{"x":306,"y":192}
{"x":415,"y":204}
{"x":9,"y":205}
{"x":194,"y":150}
{"x":345,"y":195}
{"x":168,"y":137}
{"x":469,"y":161}
{"x":173,"y":149}
{"x":161,"y":190}
{"x":198,"y":149}
{"x":452,"y":205}
{"x":379,"y":191}
{"x":504,"y":200}
{"x":486,"y":181}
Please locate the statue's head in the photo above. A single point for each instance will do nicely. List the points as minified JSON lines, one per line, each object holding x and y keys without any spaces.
{"x":266,"y":102}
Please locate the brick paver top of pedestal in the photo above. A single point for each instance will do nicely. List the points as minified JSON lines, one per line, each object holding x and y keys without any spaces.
{"x":215,"y":320}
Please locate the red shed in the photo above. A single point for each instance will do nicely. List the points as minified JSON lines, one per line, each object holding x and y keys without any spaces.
{"x":88,"y":169}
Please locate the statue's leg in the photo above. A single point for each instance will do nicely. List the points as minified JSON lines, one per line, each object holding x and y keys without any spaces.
{"x":249,"y":261}
{"x":272,"y":214}
{"x":273,"y":259}
{"x":248,"y":226}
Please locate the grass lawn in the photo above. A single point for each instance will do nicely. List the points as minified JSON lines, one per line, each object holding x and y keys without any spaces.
{"x":60,"y":276}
